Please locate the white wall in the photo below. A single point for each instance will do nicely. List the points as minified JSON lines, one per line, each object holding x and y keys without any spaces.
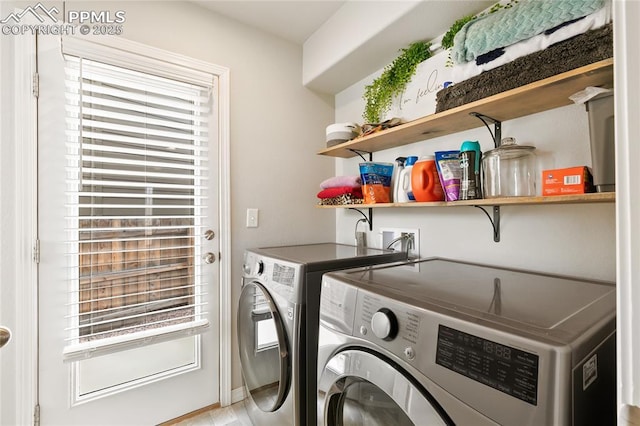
{"x":576,"y":240}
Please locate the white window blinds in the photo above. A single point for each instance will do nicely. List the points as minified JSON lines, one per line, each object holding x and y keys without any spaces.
{"x":137,"y":193}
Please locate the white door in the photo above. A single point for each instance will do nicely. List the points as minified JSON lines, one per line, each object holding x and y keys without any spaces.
{"x":127,"y":224}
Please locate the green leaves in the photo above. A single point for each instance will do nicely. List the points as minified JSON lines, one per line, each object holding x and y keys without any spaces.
{"x":393,"y":80}
{"x":447,"y":39}
{"x":397,"y":75}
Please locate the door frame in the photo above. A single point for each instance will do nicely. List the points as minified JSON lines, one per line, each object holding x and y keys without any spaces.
{"x":26,"y":208}
{"x":627,"y":88}
{"x":25,"y":270}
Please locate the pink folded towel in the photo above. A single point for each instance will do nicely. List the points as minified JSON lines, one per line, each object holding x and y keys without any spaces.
{"x":341,"y":181}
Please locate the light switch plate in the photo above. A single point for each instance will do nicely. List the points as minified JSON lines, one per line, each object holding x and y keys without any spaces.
{"x":252,"y":218}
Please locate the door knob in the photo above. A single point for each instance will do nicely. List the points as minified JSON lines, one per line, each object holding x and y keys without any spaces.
{"x":209,"y":234}
{"x":5,"y":336}
{"x":209,"y":257}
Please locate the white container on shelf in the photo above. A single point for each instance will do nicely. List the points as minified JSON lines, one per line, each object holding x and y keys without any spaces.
{"x":405,"y":193}
{"x":341,"y":132}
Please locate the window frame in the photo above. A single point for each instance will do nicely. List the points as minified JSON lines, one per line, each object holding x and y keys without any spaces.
{"x":97,"y":47}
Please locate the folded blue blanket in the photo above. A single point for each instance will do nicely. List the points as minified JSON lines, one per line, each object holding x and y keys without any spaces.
{"x":520,"y":22}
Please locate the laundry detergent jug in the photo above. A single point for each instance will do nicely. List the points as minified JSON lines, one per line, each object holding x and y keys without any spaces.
{"x":425,"y":183}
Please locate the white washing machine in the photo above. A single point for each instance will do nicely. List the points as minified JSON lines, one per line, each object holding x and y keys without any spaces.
{"x":447,"y":342}
{"x":278,"y":325}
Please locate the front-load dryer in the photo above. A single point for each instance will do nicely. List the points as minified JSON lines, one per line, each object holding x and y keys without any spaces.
{"x":278,"y":325}
{"x":446,"y":342}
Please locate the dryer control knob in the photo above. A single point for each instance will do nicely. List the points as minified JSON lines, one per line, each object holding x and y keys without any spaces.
{"x":259,"y":268}
{"x":384,"y":324}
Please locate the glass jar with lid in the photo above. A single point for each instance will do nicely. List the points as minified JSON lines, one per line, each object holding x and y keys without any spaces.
{"x":509,"y":170}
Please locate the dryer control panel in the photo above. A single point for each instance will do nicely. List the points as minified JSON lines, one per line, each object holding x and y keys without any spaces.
{"x":278,"y":276}
{"x":269,"y":270}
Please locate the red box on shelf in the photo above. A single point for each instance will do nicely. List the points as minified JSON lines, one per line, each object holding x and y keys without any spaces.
{"x":572,"y":180}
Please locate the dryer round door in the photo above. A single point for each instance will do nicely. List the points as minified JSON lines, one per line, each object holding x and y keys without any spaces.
{"x":264,"y":351}
{"x":360,"y":388}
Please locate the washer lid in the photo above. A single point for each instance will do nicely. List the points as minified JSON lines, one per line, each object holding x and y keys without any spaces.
{"x":547,"y":305}
{"x":330,"y":256}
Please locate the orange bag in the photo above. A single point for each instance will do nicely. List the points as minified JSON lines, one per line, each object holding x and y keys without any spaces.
{"x":376,"y":182}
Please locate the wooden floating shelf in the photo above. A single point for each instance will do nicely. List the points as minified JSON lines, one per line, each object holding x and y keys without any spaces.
{"x":597,"y":197}
{"x":542,"y":95}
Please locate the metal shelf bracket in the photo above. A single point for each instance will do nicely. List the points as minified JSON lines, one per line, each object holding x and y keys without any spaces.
{"x":496,"y":134}
{"x":497,"y":127}
{"x":360,"y":154}
{"x":369,"y":218}
{"x":495,"y":221}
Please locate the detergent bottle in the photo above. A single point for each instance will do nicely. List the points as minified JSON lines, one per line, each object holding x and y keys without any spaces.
{"x":405,"y":193}
{"x":470,"y":182}
{"x":395,"y":179}
{"x":425,"y":182}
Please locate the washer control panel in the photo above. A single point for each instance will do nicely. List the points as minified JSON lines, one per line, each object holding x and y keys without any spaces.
{"x":394,"y":326}
{"x":384,"y":324}
{"x":507,"y":369}
{"x":420,"y":338}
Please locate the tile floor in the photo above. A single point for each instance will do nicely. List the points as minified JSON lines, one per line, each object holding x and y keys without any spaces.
{"x":233,"y":415}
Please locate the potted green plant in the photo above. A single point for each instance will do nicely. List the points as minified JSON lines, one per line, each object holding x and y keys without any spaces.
{"x":393,"y":80}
